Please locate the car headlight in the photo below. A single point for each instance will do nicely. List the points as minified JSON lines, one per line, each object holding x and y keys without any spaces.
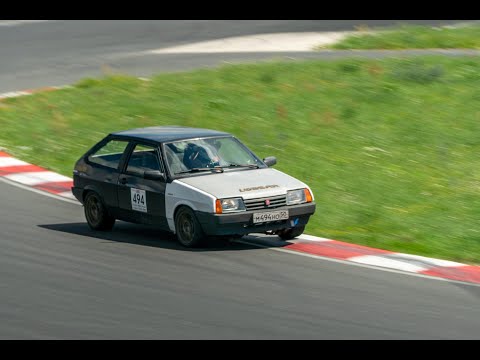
{"x":298,"y":196}
{"x":229,"y":205}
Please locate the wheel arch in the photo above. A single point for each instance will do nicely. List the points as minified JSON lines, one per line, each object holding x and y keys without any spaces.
{"x":181,"y":194}
{"x":91,"y":188}
{"x":178,"y":206}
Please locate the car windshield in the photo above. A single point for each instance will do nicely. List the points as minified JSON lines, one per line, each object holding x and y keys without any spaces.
{"x":209,"y":155}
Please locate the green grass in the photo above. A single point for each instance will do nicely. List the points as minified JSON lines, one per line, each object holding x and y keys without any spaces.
{"x":413,"y":37}
{"x":390,"y":147}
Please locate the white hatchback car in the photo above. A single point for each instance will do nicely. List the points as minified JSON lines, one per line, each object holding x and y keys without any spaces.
{"x":193,"y":182}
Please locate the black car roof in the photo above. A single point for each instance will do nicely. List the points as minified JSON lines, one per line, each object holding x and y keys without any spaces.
{"x":168,"y":133}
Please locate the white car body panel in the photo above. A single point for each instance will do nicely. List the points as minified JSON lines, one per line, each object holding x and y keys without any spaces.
{"x":200,"y":192}
{"x":241,"y":183}
{"x":178,"y":193}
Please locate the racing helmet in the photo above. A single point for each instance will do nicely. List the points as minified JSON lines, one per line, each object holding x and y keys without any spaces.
{"x":196,"y":156}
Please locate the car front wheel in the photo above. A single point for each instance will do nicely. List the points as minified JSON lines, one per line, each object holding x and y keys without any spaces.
{"x":188,"y":229}
{"x":96,"y":214}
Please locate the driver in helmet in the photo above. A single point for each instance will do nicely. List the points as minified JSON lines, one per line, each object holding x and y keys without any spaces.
{"x":196,"y":156}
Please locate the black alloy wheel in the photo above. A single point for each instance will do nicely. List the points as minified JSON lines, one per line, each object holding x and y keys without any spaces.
{"x":188,"y":229}
{"x":96,"y":214}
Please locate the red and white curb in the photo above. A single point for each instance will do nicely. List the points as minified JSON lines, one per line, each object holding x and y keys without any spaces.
{"x":38,"y":178}
{"x":385,"y":259}
{"x":34,"y":176}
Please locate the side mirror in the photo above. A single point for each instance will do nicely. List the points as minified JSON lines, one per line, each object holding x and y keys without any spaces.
{"x":154,"y":175}
{"x":270,"y":160}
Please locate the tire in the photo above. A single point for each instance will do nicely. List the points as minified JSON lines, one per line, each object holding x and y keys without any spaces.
{"x":289,"y":234}
{"x":96,"y":213}
{"x":188,"y":229}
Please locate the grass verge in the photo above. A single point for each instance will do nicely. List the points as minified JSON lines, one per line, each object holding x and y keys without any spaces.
{"x":412,"y":37}
{"x":390,"y":147}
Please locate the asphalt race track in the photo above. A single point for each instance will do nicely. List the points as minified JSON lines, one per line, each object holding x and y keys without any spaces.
{"x":60,"y":280}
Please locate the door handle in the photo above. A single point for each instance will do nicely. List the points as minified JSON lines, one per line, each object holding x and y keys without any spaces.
{"x":123,"y":180}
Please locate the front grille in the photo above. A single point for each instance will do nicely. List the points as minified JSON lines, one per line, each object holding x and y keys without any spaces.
{"x":259,"y":203}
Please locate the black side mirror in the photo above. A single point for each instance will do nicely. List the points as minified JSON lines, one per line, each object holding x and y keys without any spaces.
{"x":154,"y":175}
{"x":270,"y":160}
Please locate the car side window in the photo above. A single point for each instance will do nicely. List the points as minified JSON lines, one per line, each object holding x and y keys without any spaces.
{"x":109,"y":155}
{"x":143,"y":158}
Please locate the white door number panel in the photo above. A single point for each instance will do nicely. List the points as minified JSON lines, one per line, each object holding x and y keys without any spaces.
{"x":139,"y":200}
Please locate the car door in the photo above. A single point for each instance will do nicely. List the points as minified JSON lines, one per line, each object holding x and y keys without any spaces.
{"x":142,"y":200}
{"x":102,"y":170}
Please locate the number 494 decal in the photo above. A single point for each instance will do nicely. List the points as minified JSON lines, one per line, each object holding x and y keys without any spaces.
{"x":139,"y":200}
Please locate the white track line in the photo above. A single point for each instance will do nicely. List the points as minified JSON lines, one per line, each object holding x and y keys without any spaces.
{"x":387,"y":263}
{"x":20,"y":22}
{"x":38,"y":191}
{"x":67,"y":194}
{"x":312,"y":238}
{"x":36,"y":178}
{"x":422,"y":259}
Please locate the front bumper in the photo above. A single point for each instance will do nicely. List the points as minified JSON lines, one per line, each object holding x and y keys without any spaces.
{"x":241,"y":223}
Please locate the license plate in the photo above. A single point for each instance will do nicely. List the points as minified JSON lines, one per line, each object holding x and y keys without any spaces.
{"x":270,"y":216}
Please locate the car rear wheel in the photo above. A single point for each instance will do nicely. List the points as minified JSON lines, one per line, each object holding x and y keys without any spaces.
{"x":96,"y":214}
{"x":188,"y":229}
{"x":289,"y":234}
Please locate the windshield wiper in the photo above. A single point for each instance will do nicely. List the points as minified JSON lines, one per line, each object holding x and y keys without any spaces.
{"x":216,"y":169}
{"x":251,"y":166}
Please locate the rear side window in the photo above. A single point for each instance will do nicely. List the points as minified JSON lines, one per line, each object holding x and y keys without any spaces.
{"x":109,"y":154}
{"x":143,"y":158}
